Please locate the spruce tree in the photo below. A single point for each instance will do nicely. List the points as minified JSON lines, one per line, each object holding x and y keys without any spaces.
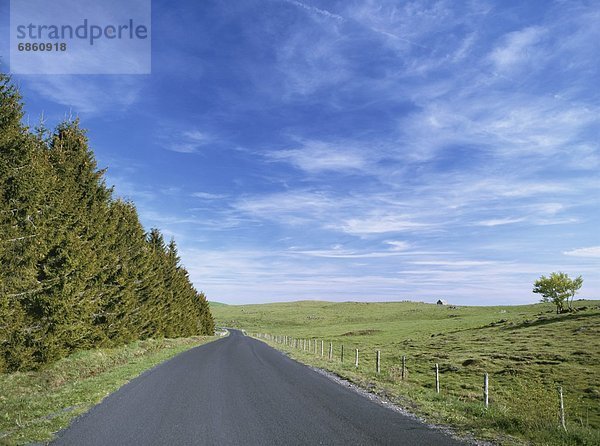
{"x":23,"y":183}
{"x":77,"y":269}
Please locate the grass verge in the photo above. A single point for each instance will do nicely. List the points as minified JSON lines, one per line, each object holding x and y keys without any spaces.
{"x":35,"y":405}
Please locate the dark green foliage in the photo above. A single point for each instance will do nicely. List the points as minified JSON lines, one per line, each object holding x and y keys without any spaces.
{"x":77,"y":268}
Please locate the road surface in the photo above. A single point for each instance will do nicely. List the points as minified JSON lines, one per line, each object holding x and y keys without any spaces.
{"x":239,"y":391}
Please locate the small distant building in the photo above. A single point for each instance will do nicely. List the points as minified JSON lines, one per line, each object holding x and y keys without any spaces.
{"x":442,"y":302}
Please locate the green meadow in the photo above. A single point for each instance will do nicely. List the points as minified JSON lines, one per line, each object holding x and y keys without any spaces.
{"x":527,"y":351}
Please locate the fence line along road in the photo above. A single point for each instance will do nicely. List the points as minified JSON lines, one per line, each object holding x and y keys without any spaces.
{"x":436,"y":376}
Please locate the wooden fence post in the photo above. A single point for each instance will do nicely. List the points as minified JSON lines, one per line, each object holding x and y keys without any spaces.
{"x":486,"y":390}
{"x":330,"y":351}
{"x":342,"y":355}
{"x":403,"y":367}
{"x":561,"y":408}
{"x":322,"y":349}
{"x":378,"y":366}
{"x":437,"y":378}
{"x":356,"y":358}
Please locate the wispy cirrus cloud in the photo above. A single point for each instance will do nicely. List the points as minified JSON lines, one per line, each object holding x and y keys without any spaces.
{"x":315,"y":10}
{"x":500,"y":221}
{"x":517,"y":125}
{"x":383,"y":224}
{"x":519,"y":48}
{"x":441,"y":204}
{"x":393,"y":150}
{"x":208,"y":196}
{"x":190,"y":141}
{"x":319,"y":156}
{"x":590,"y":251}
{"x":397,"y":245}
{"x":394,"y":249}
{"x":89,"y":94}
{"x":469,"y":167}
{"x":347,"y":254}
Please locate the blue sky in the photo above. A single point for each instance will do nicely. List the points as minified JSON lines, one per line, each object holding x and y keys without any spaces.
{"x":344,"y":150}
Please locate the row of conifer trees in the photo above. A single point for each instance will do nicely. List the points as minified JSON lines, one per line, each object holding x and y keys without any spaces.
{"x":78,"y":269}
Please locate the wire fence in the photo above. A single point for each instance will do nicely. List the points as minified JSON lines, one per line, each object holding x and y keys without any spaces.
{"x":472,"y":385}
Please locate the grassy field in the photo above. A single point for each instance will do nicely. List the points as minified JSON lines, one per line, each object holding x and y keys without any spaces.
{"x":527,"y":351}
{"x":35,"y":405}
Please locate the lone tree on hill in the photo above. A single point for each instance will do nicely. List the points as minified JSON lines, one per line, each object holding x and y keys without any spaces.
{"x":558,"y":288}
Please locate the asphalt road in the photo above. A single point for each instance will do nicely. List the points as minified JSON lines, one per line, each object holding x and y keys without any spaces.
{"x":239,"y":391}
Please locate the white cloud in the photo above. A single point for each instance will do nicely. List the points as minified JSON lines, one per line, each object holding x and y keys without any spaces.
{"x":366,"y":213}
{"x":405,"y":25}
{"x":304,"y":205}
{"x":398,"y":245}
{"x":348,"y":254}
{"x":319,"y":156}
{"x":321,"y":12}
{"x":500,"y":221}
{"x":517,"y":48}
{"x":381,"y":225}
{"x":208,"y":196}
{"x":84,"y":94}
{"x":453,"y":263}
{"x":254,"y":275}
{"x":309,"y":61}
{"x":528,"y":189}
{"x":197,"y":136}
{"x":591,"y":251}
{"x":518,"y":125}
{"x":189,"y":141}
